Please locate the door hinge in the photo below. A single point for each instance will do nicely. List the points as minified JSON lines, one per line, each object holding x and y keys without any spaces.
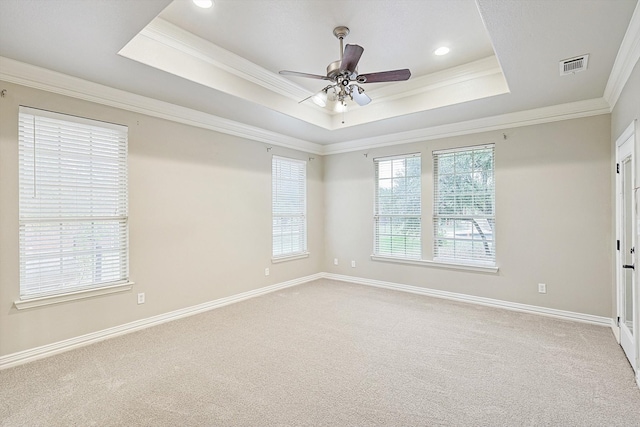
{"x":618,"y":321}
{"x":617,"y":167}
{"x":618,"y":244}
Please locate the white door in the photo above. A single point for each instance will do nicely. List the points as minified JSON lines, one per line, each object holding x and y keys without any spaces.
{"x":626,"y":219}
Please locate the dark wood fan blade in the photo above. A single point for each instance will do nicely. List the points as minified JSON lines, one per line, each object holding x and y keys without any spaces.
{"x":352,"y":54}
{"x":307,"y":75}
{"x":385,"y":76}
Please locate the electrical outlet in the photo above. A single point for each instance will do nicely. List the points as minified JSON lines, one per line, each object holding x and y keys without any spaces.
{"x":542,"y":288}
{"x":353,"y":264}
{"x":335,"y":261}
{"x":141,"y":298}
{"x":266,"y":271}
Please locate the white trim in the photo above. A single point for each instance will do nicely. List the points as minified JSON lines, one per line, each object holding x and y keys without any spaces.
{"x":290,"y":159}
{"x":286,"y":258}
{"x":627,"y":133}
{"x":438,"y":264}
{"x":627,"y":340}
{"x":465,"y":82}
{"x":489,"y":302}
{"x":23,"y":109}
{"x":398,"y":156}
{"x":627,"y":57}
{"x":554,"y":113}
{"x":616,"y":330}
{"x":22,"y":304}
{"x":30,"y":355}
{"x":453,"y":76}
{"x":175,"y":37}
{"x":461,"y":149}
{"x":40,"y":78}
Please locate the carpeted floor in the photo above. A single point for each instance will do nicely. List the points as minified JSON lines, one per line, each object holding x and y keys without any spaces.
{"x":335,"y":354}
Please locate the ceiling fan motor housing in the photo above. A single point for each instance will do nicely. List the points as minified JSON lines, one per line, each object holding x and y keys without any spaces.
{"x":333,"y":69}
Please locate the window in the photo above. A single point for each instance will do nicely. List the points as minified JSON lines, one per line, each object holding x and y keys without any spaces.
{"x":464,"y":205}
{"x":397,"y":229}
{"x":289,"y":207}
{"x":72,"y":203}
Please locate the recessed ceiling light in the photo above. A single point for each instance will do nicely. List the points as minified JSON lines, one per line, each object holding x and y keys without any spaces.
{"x":205,"y":4}
{"x":441,"y":51}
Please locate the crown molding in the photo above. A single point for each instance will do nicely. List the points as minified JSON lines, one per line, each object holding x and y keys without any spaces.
{"x":628,"y":56}
{"x":39,"y":78}
{"x":451,"y":76}
{"x":573,"y":110}
{"x":175,"y":37}
{"x":169,"y":48}
{"x":171,"y":54}
{"x":168,"y":34}
{"x":51,"y":81}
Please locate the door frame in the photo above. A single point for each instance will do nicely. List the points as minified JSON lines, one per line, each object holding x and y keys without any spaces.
{"x":628,"y":134}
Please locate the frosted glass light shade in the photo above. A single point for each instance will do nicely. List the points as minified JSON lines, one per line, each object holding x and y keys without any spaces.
{"x":361,"y":98}
{"x":320,"y":98}
{"x":205,"y":4}
{"x":340,"y":107}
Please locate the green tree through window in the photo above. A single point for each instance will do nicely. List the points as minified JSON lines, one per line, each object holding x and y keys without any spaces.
{"x":464,"y":205}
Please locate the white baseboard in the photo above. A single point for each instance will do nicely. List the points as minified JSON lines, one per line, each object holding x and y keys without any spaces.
{"x":616,"y":330}
{"x":560,"y":314}
{"x":30,"y":355}
{"x":69,"y":344}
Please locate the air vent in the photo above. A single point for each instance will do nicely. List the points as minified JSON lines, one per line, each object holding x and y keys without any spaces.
{"x":573,"y":65}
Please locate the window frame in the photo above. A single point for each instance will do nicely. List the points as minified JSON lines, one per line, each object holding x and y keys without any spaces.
{"x":299,"y":249}
{"x":479,"y":223}
{"x":415,"y":217}
{"x":109,"y":266}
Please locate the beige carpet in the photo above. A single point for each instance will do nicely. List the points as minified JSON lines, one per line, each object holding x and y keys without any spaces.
{"x":335,"y":354}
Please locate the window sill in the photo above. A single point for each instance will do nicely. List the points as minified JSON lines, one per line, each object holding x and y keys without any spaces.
{"x":26,"y":303}
{"x":289,"y":258}
{"x":438,"y":264}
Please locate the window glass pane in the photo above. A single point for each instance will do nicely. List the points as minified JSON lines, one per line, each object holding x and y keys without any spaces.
{"x":462,"y":162}
{"x":289,"y":232}
{"x":445,"y":164}
{"x":384,"y":170}
{"x":72,"y":203}
{"x":464,"y":204}
{"x":398,"y":207}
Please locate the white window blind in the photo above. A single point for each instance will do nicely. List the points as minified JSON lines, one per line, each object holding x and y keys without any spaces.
{"x":397,"y":211}
{"x":464,"y":205}
{"x":289,"y":206}
{"x":72,"y":203}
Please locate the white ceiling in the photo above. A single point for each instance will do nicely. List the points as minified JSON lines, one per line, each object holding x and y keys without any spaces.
{"x":224,"y":61}
{"x":297,"y":35}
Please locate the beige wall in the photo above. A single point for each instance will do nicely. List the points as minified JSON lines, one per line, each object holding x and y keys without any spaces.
{"x":553,"y":192}
{"x":200,"y":222}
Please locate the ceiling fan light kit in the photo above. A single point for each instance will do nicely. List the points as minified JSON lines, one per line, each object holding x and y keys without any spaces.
{"x":360,"y":97}
{"x":320,"y":98}
{"x":344,"y":77}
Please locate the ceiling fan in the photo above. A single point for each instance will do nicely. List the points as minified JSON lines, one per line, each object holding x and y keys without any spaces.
{"x":344,"y":77}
